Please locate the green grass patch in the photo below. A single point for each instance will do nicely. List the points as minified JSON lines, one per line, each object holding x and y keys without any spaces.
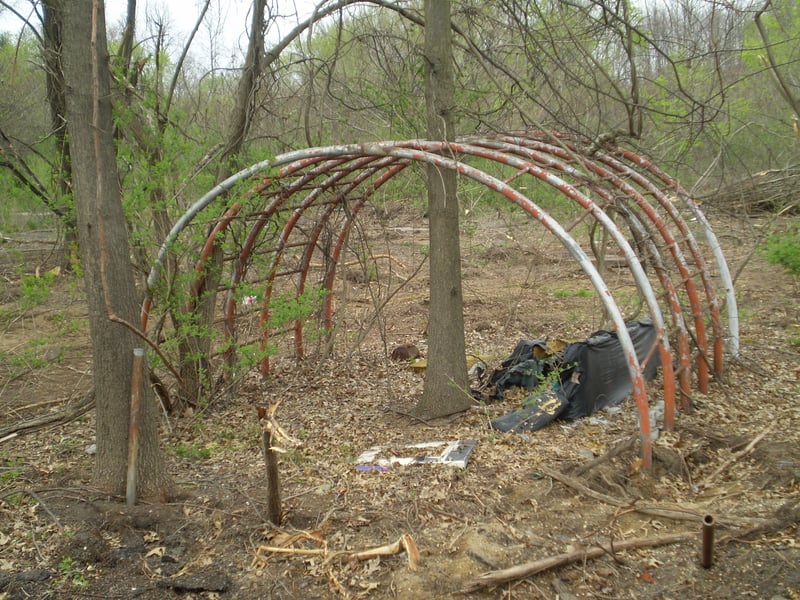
{"x":192,"y":452}
{"x":784,"y":249}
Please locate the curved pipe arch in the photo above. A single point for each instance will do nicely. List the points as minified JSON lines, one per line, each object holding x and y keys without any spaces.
{"x":332,"y":169}
{"x":569,"y":152}
{"x":297,"y":212}
{"x":704,"y":363}
{"x":633,"y":262}
{"x":626,"y":155}
{"x":364,"y":173}
{"x":529,"y":148}
{"x":551,"y":160}
{"x":634,"y":369}
{"x":713,"y":243}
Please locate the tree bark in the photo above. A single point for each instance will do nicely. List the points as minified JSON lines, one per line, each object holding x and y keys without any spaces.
{"x":108,"y":272}
{"x":242,"y":113}
{"x":446,"y":383}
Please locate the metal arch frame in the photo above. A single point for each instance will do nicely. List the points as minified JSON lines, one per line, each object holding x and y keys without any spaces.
{"x":365,"y":171}
{"x":633,"y":262}
{"x":342,"y":169}
{"x":617,"y":157}
{"x":551,"y":159}
{"x":716,"y":249}
{"x":570,"y":152}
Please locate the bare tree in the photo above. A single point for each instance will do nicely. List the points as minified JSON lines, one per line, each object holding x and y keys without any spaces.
{"x":446,"y":383}
{"x":13,"y":151}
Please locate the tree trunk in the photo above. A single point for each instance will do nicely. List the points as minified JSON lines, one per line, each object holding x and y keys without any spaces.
{"x":108,"y":272}
{"x":60,"y":202}
{"x":446,"y":383}
{"x":242,"y":113}
{"x":194,"y":350}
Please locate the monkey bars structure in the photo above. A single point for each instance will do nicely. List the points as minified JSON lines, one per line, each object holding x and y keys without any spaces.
{"x":314,"y":184}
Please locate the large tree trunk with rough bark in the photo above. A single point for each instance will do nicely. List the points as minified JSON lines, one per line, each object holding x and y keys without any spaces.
{"x":108,"y":272}
{"x":446,"y":383}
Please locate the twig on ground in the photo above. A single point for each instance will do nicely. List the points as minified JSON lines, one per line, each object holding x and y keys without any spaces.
{"x":747,"y":450}
{"x":582,"y":488}
{"x":300,"y":551}
{"x":786,"y":515}
{"x":409,"y":415}
{"x":38,"y":499}
{"x":404,"y":544}
{"x":488,"y":409}
{"x":618,"y":449}
{"x":66,"y":415}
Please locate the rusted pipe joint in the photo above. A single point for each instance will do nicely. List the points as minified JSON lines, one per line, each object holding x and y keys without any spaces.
{"x":707,"y":555}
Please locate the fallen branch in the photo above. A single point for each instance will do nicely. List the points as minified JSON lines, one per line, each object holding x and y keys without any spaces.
{"x":785,"y":516}
{"x":652,"y":510}
{"x":481,"y":408}
{"x":282,"y":544}
{"x":493,"y":578}
{"x":405,"y":543}
{"x":299,"y":551}
{"x":582,"y":488}
{"x":66,"y":415}
{"x":618,"y":449}
{"x":35,"y":496}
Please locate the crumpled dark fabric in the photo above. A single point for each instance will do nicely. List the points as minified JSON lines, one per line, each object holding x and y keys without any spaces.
{"x":591,"y":375}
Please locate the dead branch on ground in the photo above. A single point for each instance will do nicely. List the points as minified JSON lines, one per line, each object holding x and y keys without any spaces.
{"x":785,"y":516}
{"x":618,"y":449}
{"x":747,"y":450}
{"x":66,"y":415}
{"x":38,"y":498}
{"x":404,"y":544}
{"x":493,"y":578}
{"x":676,"y":513}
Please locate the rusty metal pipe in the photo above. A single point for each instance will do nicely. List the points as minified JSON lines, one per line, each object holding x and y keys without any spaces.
{"x":707,"y":555}
{"x":134,"y":425}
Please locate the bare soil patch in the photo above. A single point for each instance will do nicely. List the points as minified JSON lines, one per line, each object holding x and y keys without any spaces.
{"x":521,"y":498}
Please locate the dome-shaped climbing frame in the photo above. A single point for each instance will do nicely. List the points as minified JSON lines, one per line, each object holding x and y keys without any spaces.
{"x":599,"y":178}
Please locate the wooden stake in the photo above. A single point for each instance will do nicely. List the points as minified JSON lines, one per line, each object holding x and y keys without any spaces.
{"x":273,"y":478}
{"x":270,"y":430}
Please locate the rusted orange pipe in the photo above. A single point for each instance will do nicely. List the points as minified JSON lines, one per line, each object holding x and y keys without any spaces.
{"x":707,"y":554}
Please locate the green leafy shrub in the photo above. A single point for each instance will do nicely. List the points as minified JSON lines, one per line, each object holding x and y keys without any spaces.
{"x":70,"y":573}
{"x":784,"y":249}
{"x":36,"y":289}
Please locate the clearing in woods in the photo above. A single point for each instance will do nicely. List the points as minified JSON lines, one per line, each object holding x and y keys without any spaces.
{"x":521,"y":498}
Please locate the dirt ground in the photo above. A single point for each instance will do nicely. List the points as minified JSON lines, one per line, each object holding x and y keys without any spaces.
{"x":521,"y":498}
